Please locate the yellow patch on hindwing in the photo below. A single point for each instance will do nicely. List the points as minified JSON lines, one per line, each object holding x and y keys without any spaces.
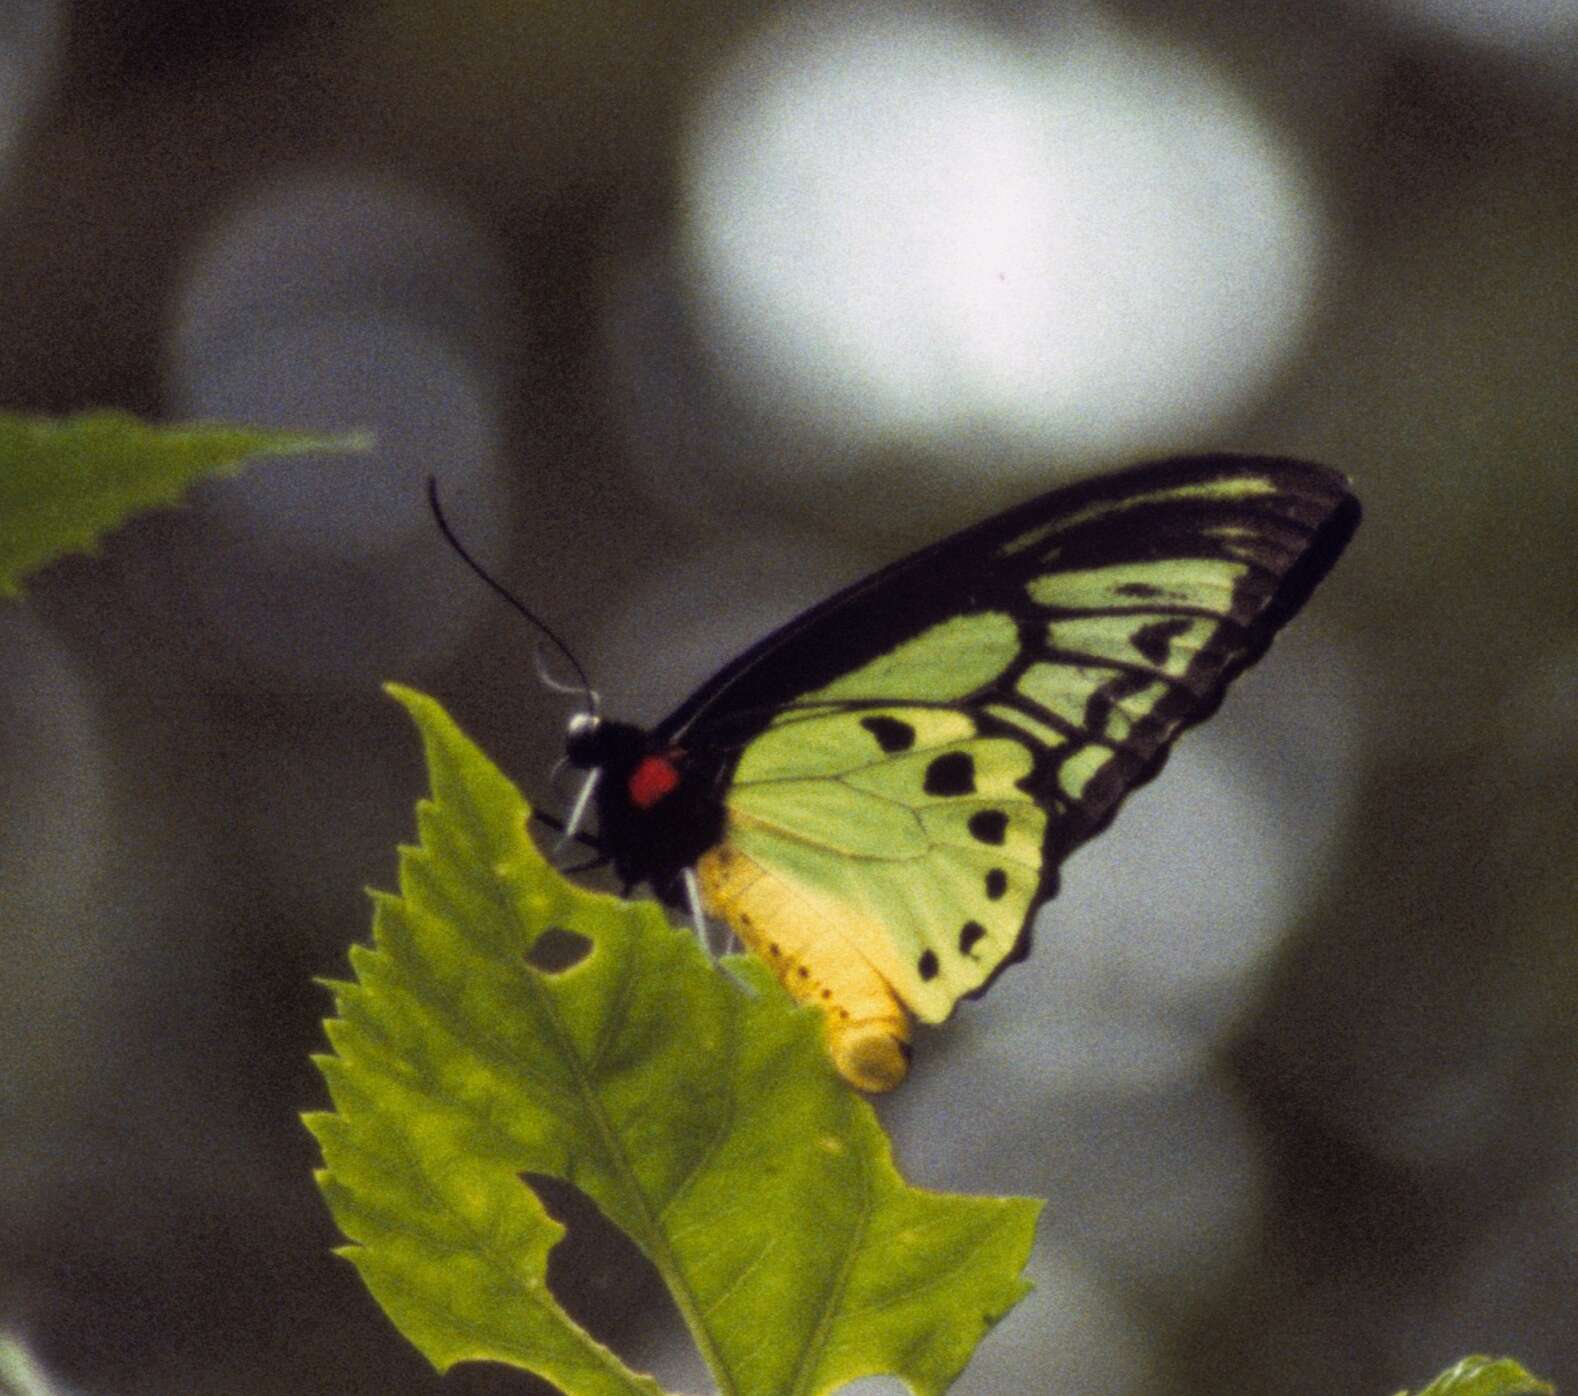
{"x":812,"y":954}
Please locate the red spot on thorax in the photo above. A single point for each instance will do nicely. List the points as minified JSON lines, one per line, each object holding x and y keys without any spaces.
{"x":652,"y":779}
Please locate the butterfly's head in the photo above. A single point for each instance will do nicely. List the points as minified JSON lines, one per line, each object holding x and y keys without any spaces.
{"x":591,"y":744}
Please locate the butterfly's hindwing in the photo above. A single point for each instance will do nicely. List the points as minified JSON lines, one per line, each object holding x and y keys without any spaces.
{"x":914,"y":820}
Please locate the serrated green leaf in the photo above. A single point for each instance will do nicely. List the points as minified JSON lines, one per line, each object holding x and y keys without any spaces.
{"x":703,"y":1119}
{"x":1486,"y":1376}
{"x":65,"y":482}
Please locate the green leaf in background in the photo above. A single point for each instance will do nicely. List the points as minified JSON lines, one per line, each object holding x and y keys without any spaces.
{"x":702,"y":1117}
{"x":1486,"y":1376}
{"x":65,"y":482}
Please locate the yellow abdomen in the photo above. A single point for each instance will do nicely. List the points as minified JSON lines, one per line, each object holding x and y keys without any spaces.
{"x":805,"y":944}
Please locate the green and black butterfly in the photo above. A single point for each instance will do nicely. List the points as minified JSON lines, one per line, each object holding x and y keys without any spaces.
{"x":877,"y":797}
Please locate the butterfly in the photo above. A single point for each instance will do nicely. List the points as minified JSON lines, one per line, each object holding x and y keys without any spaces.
{"x":876,"y":797}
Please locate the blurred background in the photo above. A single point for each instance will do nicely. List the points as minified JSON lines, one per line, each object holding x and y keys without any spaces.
{"x":697,"y":311}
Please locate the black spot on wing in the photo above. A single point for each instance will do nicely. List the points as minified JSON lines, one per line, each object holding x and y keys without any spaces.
{"x":892,"y":735}
{"x":969,"y":934}
{"x":996,"y":884}
{"x":951,"y":774}
{"x":1153,"y":641}
{"x":1021,"y":946}
{"x":1099,"y":706}
{"x":988,"y":826}
{"x":1142,"y":590}
{"x":927,"y":964}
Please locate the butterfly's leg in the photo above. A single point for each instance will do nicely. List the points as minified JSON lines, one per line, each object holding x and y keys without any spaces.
{"x":698,"y":918}
{"x":572,"y":825}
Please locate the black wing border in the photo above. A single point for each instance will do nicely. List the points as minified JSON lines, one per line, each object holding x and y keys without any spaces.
{"x":966,"y":571}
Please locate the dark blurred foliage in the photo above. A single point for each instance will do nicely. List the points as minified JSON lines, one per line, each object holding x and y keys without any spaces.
{"x":1409,"y":1067}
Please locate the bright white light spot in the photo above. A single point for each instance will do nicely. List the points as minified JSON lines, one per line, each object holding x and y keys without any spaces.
{"x":902,"y":227}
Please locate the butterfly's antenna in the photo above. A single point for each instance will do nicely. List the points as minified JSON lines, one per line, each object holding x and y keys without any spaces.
{"x":585,"y":689}
{"x":547,"y":680}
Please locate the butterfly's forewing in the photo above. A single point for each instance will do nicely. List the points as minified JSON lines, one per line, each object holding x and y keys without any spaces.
{"x":905,"y":766}
{"x":1145,"y":602}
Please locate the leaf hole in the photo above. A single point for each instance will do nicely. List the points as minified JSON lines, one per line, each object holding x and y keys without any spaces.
{"x":556,"y":950}
{"x":611,"y":1289}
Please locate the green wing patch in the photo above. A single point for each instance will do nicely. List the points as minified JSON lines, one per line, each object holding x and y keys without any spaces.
{"x":946,"y":661}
